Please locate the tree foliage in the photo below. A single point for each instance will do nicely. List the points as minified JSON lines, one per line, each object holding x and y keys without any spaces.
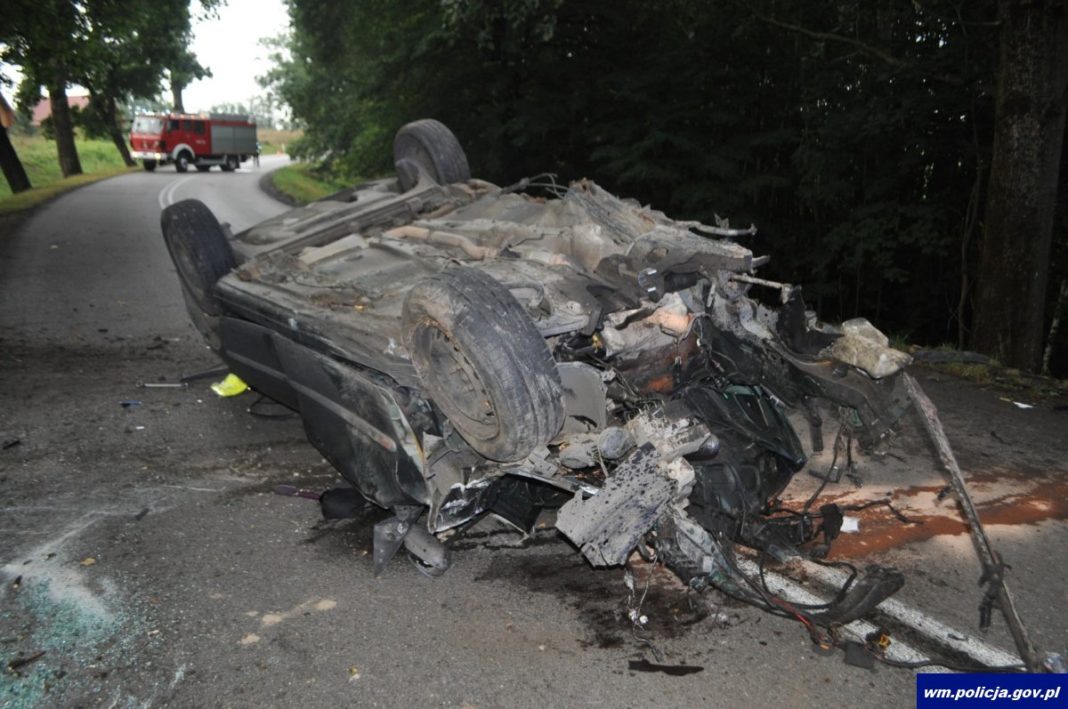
{"x":854,"y":134}
{"x":119,"y":50}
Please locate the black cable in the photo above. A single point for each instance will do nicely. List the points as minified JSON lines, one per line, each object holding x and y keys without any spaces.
{"x":827,"y":477}
{"x":815,"y":606}
{"x":884,"y":503}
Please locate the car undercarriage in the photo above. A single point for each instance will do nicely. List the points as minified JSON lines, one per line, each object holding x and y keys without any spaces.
{"x":536,"y":351}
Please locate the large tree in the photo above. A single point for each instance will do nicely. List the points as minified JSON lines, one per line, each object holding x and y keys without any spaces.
{"x":123,"y":57}
{"x":184,"y":70}
{"x":1022,"y":194}
{"x":42,"y":38}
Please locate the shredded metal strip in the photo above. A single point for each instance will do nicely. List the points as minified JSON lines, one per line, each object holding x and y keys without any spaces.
{"x":988,"y":558}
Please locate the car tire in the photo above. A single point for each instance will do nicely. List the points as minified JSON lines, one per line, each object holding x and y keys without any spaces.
{"x":431,"y":145}
{"x":182,"y":162}
{"x":483,"y":363}
{"x":230,"y":163}
{"x":150,"y":165}
{"x":202,"y":256}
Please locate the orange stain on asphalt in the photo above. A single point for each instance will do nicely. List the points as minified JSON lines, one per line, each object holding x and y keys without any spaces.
{"x":1037,"y":501}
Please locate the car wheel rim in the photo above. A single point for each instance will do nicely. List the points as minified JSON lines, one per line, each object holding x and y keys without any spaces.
{"x":457,"y":385}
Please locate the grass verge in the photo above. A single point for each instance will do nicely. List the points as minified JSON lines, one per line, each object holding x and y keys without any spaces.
{"x":99,"y":159}
{"x":33,"y":197}
{"x":305,"y":182}
{"x":38,"y":156}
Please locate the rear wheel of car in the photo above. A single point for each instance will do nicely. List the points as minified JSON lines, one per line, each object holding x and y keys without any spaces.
{"x":202,"y":256}
{"x":230,"y":163}
{"x":150,"y":165}
{"x":483,"y":363}
{"x":431,"y":145}
{"x":182,"y":162}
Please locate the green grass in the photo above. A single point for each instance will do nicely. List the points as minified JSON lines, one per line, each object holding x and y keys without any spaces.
{"x":305,"y":182}
{"x":99,"y":159}
{"x":32,"y":197}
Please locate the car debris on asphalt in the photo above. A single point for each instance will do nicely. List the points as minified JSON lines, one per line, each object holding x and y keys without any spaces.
{"x":458,"y":349}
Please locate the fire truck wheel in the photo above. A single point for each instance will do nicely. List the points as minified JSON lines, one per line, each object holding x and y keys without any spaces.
{"x":434,"y":148}
{"x":181,"y":163}
{"x":150,"y":165}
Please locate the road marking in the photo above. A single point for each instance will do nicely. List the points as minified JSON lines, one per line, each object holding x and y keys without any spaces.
{"x":166,"y":195}
{"x":859,"y":630}
{"x":922,"y":623}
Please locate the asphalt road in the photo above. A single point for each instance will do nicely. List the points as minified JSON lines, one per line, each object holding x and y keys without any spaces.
{"x":143,"y":551}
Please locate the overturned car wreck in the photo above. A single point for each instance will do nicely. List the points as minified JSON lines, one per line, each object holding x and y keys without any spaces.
{"x":458,"y":349}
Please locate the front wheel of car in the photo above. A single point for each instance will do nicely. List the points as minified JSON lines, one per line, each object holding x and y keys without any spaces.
{"x":150,"y":165}
{"x":182,"y":162}
{"x":202,"y":256}
{"x":483,"y":363}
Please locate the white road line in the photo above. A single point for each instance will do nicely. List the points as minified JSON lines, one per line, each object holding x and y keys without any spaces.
{"x":858,"y":630}
{"x":924,"y":624}
{"x":162,"y":202}
{"x":166,"y":195}
{"x":934,"y":630}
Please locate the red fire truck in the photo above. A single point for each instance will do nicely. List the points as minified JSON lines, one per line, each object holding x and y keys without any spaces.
{"x":198,"y":140}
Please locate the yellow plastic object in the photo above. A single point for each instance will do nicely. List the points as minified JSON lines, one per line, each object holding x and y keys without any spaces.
{"x":231,"y":386}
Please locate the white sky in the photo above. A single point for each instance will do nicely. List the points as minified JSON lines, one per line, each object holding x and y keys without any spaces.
{"x":229,"y":46}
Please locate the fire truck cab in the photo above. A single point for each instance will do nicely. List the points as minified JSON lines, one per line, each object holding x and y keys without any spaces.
{"x":197,"y":140}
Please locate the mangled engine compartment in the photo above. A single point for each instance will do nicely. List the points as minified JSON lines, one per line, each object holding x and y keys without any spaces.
{"x":672,"y":435}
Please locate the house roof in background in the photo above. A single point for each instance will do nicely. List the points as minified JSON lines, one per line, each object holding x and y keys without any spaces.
{"x":43,"y":109}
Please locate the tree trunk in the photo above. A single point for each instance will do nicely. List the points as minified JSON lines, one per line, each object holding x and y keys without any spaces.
{"x":111,"y":117}
{"x":1054,"y":325}
{"x":11,"y":165}
{"x":176,"y":95}
{"x":1021,"y":194}
{"x":63,"y":126}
